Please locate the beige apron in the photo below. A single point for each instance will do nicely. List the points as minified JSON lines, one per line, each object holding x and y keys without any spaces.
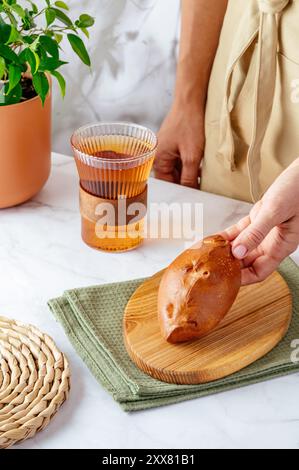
{"x":252,"y":115}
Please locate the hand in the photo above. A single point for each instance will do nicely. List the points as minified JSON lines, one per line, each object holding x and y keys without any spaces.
{"x":271,"y":231}
{"x":181,"y":145}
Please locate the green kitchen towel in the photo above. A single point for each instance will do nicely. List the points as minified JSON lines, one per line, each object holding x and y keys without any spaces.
{"x":92,"y":319}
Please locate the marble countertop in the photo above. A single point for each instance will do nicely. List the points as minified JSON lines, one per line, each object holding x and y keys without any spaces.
{"x":42,"y":254}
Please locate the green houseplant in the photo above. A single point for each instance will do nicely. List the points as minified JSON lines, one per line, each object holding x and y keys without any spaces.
{"x":31,"y":53}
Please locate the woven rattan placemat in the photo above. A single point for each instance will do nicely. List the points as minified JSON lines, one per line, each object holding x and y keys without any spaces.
{"x":34,"y":381}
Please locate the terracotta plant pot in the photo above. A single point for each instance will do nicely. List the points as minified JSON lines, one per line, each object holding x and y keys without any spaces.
{"x":25,"y":150}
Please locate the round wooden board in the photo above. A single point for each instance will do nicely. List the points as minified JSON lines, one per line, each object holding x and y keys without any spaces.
{"x":258,"y":320}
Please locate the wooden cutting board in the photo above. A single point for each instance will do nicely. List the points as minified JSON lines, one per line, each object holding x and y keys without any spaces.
{"x":257,"y":321}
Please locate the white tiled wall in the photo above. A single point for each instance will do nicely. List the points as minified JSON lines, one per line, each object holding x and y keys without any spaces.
{"x":133,"y":47}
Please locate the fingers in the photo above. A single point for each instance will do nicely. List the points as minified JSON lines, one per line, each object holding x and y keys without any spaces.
{"x":252,"y":236}
{"x":170,"y":177}
{"x":259,"y":270}
{"x":251,"y":257}
{"x":171,"y":167}
{"x":234,"y":230}
{"x":165,"y":166}
{"x":190,"y":170}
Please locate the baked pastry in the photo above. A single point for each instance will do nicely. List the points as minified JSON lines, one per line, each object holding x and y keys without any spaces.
{"x":198,"y":289}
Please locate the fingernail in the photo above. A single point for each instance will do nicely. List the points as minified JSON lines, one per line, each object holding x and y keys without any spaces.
{"x":239,"y":251}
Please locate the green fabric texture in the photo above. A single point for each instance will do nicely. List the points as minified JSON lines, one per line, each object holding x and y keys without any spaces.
{"x":92,"y":320}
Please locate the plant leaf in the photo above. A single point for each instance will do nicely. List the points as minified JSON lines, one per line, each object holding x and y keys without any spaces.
{"x":28,"y":21}
{"x":63,"y":5}
{"x":41,"y":85}
{"x":60,"y":80}
{"x":33,"y":60}
{"x":2,"y":67}
{"x":8,"y":53}
{"x":50,"y":46}
{"x":34,"y":7}
{"x":34,"y":45}
{"x":49,"y":64}
{"x":61,"y":16}
{"x":85,"y":21}
{"x":18,"y":10}
{"x":22,"y":59}
{"x":5,"y":30}
{"x":50,"y":16}
{"x":58,"y":37}
{"x":11,"y":17}
{"x":14,"y":77}
{"x":22,"y":56}
{"x":14,"y":36}
{"x":85,"y":31}
{"x":79,"y":48}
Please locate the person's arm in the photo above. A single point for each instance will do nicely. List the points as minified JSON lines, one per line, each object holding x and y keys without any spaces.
{"x":181,"y":137}
{"x":271,"y":231}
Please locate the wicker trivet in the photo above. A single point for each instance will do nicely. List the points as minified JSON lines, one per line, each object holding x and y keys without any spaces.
{"x":34,"y":381}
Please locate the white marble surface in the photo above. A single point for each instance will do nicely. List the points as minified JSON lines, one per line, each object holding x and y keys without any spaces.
{"x":41,"y":255}
{"x":133,"y":51}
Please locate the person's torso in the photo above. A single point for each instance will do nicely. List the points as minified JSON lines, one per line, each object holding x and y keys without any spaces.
{"x":235,"y":165}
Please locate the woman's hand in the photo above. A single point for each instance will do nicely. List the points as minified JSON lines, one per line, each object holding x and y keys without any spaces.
{"x":181,"y":138}
{"x":271,"y":231}
{"x":181,"y":145}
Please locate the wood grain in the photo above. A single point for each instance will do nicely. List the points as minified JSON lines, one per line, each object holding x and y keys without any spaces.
{"x":258,"y":320}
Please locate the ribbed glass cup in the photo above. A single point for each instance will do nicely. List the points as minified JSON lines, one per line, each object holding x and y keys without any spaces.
{"x":114,"y":161}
